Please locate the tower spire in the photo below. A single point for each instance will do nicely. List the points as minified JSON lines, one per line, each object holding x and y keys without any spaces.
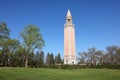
{"x":68,"y":14}
{"x":68,"y":18}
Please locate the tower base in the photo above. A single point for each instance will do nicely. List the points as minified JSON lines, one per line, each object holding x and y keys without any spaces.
{"x":70,"y":60}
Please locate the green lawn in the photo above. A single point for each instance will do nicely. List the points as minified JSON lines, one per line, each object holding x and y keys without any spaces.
{"x":58,"y":74}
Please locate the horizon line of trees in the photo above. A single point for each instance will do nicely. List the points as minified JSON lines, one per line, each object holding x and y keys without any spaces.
{"x":16,"y":54}
{"x":9,"y":48}
{"x":28,"y":53}
{"x":98,"y":57}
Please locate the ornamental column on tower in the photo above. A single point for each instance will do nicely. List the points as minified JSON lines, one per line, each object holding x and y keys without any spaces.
{"x":69,"y":41}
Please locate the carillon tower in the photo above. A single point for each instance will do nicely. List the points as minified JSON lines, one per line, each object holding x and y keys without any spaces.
{"x":69,"y":41}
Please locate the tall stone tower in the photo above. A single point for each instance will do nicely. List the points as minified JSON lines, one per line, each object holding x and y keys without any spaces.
{"x":69,"y":41}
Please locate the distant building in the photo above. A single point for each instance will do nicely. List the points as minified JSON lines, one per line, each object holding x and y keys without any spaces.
{"x":69,"y":41}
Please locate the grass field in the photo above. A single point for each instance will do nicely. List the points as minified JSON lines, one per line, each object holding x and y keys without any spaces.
{"x":58,"y":74}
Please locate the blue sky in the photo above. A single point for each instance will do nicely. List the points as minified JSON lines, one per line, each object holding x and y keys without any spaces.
{"x":97,"y":22}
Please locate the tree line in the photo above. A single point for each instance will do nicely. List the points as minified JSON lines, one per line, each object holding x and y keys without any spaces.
{"x":98,"y":57}
{"x":14,"y":53}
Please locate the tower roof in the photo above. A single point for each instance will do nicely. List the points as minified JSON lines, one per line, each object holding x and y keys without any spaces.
{"x":68,"y":14}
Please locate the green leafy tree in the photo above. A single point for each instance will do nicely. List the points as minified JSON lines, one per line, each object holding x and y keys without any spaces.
{"x":4,"y":36}
{"x":12,"y":45}
{"x":32,"y":39}
{"x":9,"y":48}
{"x":31,"y":59}
{"x":19,"y":57}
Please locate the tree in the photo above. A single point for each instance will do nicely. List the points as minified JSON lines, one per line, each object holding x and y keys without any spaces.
{"x":39,"y":58}
{"x":32,"y":39}
{"x":58,"y":59}
{"x":4,"y":31}
{"x":9,"y":47}
{"x":99,"y":56}
{"x":19,"y":57}
{"x":82,"y":57}
{"x":48,"y":58}
{"x":1,"y":58}
{"x":31,"y":59}
{"x":4,"y":36}
{"x":118,"y":56}
{"x":52,"y":61}
{"x":113,"y":54}
{"x":91,"y":54}
{"x":12,"y":45}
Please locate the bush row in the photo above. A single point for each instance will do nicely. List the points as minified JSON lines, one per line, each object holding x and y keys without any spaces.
{"x":79,"y":66}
